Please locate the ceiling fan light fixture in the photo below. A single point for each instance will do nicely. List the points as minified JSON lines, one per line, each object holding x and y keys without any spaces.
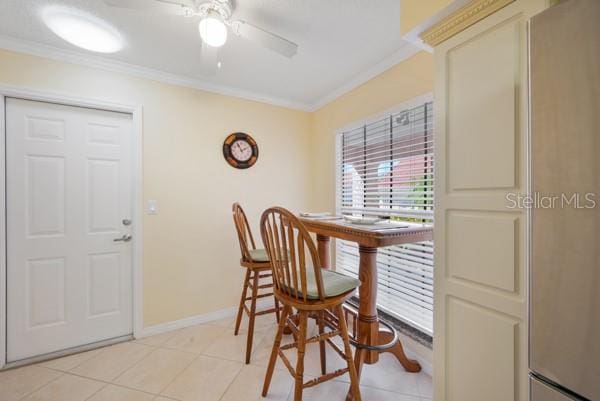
{"x":82,"y":29}
{"x":213,"y":30}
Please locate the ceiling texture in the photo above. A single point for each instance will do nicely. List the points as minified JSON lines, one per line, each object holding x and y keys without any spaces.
{"x":342,"y":43}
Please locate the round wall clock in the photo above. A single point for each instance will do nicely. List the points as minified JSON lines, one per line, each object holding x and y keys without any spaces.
{"x":240,"y":150}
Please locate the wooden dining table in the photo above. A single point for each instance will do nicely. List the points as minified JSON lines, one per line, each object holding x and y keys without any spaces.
{"x":369,"y":239}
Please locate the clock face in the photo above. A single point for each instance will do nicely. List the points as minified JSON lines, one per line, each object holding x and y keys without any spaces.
{"x":240,"y":150}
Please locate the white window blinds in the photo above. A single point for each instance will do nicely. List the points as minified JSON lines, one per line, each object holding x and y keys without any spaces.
{"x":385,"y":168}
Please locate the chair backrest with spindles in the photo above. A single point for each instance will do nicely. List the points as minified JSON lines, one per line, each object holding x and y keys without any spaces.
{"x":244,"y":234}
{"x":289,"y":245}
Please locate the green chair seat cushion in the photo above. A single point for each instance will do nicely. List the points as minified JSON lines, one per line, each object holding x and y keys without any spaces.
{"x":334,"y":283}
{"x":259,"y":255}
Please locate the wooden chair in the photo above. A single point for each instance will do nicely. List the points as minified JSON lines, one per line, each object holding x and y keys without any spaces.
{"x":301,"y":284}
{"x":258,"y":268}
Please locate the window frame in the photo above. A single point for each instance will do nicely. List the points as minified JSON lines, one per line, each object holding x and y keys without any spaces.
{"x":358,"y":124}
{"x":409,"y":104}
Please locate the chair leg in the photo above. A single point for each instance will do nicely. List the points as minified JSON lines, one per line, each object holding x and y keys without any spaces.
{"x":298,"y":387}
{"x":354,"y":387}
{"x":252,"y":316}
{"x":274,"y":351}
{"x":277,"y":312}
{"x":238,"y":319}
{"x":321,"y":323}
{"x":287,"y":330}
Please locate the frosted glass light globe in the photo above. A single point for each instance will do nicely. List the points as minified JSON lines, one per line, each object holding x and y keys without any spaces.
{"x":213,"y":30}
{"x":82,"y":29}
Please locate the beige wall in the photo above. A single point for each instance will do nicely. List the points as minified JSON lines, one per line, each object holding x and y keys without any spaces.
{"x":190,"y":252}
{"x":415,"y":12}
{"x":407,"y":80}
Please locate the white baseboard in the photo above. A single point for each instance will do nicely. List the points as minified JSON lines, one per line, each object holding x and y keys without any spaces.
{"x":194,"y":320}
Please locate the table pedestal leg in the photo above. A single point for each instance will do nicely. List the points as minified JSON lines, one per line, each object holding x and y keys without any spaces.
{"x":410,"y":365}
{"x":323,"y":246}
{"x":368,"y":323}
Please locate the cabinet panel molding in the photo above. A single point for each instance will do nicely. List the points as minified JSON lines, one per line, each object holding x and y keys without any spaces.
{"x":483,"y":248}
{"x":477,"y":339}
{"x":483,"y":108}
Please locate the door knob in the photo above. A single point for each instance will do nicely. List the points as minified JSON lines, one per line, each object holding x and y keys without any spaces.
{"x":124,"y":238}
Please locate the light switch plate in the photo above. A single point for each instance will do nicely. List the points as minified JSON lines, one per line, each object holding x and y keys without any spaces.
{"x":152,"y":206}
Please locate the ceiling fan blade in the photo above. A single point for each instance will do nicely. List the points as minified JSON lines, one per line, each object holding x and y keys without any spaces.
{"x":175,"y":7}
{"x":267,"y":39}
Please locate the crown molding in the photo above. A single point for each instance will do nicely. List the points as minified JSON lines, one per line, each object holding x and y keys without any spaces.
{"x":92,"y":61}
{"x":414,"y":35}
{"x":74,"y":57}
{"x":461,"y":20}
{"x":397,"y":57}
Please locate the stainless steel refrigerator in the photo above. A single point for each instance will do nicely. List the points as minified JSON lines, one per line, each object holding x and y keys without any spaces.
{"x":565,"y":233}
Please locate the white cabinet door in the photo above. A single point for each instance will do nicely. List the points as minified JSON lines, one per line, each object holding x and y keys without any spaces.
{"x":481,"y":247}
{"x":69,"y":187}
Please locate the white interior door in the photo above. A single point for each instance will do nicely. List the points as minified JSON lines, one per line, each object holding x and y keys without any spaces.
{"x":69,"y":189}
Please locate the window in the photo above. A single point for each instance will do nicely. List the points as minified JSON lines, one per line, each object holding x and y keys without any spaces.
{"x":385,"y":168}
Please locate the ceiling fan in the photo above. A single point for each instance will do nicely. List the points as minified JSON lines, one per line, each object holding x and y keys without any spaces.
{"x":215,"y":19}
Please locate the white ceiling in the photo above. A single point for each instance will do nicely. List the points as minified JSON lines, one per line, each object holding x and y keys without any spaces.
{"x":342,"y":43}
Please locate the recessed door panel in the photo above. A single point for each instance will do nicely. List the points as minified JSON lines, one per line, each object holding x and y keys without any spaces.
{"x":45,"y":128}
{"x":479,"y":335}
{"x":45,"y":292}
{"x":104,"y":284}
{"x":103,"y":195}
{"x":483,"y":95}
{"x":101,"y":134}
{"x":45,"y":196}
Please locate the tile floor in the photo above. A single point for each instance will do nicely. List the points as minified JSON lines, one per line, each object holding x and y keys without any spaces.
{"x":199,"y":363}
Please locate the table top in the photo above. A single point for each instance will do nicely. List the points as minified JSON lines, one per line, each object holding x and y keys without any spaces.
{"x":374,"y":236}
